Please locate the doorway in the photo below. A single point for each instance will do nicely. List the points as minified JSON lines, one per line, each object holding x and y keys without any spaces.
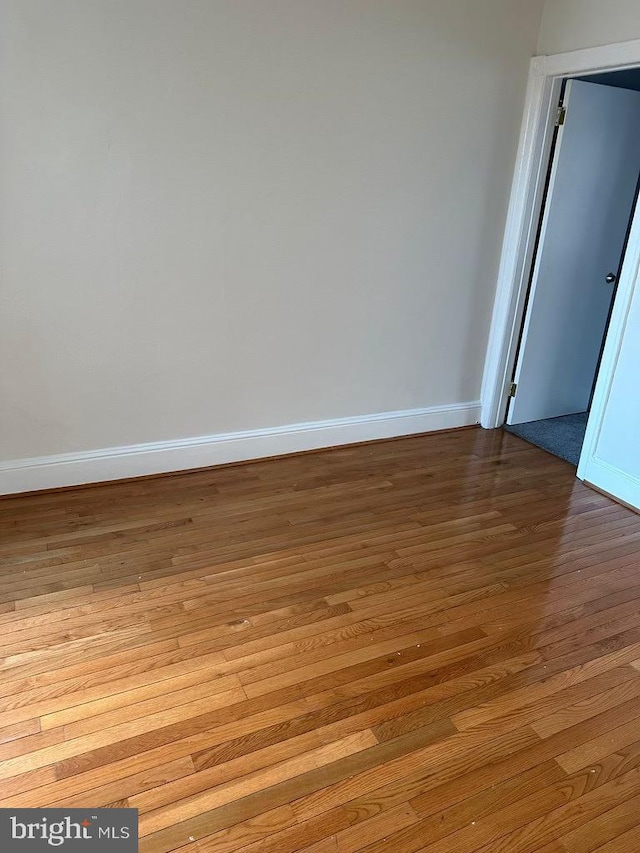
{"x":588,"y":201}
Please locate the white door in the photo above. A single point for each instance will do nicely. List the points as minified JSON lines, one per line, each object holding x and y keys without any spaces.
{"x":610,"y":456}
{"x":591,"y":193}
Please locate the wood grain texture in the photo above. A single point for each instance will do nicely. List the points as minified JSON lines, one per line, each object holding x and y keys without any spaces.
{"x":427,"y":645}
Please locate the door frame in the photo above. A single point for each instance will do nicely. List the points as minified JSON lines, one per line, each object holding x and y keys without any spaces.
{"x":525,"y":207}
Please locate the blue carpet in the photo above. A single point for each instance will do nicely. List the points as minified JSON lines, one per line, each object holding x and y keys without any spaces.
{"x":561,"y":436}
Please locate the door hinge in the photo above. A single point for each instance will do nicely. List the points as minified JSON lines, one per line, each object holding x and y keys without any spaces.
{"x":513,"y":389}
{"x":561,"y":115}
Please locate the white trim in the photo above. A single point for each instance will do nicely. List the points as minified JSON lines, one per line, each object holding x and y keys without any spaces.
{"x":517,"y":250}
{"x":524,"y":209}
{"x":114,"y":463}
{"x":607,"y":57}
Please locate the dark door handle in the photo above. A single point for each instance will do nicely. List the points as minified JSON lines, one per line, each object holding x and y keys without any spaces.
{"x":611,"y":278}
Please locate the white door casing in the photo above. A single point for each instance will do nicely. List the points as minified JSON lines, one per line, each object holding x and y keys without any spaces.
{"x":591,"y":194}
{"x":607,"y":460}
{"x":541,"y":99}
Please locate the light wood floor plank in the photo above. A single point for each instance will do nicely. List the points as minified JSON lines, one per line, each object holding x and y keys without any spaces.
{"x":426,"y":645}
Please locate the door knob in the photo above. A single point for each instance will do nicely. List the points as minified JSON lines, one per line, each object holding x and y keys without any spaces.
{"x":611,"y":278}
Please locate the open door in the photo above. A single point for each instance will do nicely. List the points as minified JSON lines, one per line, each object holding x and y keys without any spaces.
{"x":610,"y":457}
{"x":591,"y":194}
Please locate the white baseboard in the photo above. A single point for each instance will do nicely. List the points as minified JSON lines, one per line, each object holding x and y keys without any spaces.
{"x":159,"y":457}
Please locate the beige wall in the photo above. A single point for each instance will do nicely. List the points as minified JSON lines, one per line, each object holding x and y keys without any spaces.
{"x":574,"y":24}
{"x":220,"y":215}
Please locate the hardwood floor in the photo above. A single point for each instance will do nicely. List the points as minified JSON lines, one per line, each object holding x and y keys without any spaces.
{"x":430,"y":644}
